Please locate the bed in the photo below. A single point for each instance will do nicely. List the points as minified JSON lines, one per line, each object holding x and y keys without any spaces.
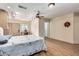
{"x":23,"y":46}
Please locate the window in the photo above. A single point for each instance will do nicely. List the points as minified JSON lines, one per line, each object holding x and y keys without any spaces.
{"x":23,"y":27}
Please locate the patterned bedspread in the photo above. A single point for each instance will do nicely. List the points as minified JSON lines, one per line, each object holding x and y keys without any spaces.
{"x":23,"y":45}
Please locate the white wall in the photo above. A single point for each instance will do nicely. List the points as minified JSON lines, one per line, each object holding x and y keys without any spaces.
{"x":35,"y":26}
{"x":58,"y":31}
{"x":76,"y":28}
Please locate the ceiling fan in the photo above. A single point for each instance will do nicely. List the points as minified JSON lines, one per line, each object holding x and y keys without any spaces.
{"x":38,"y":15}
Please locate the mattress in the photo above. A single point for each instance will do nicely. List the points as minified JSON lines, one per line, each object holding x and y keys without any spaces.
{"x":23,"y":45}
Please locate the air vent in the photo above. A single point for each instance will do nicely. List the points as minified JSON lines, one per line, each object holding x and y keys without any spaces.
{"x":22,"y":7}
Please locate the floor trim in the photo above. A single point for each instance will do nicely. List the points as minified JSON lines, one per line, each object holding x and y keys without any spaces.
{"x":60,"y":41}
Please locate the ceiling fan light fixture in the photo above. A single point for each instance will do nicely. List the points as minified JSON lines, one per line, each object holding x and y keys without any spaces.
{"x":50,"y":5}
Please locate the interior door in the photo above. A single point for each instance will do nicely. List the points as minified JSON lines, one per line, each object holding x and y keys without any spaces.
{"x":46,"y":29}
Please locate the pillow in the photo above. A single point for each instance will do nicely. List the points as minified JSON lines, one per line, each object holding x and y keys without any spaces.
{"x":3,"y":42}
{"x":3,"y":39}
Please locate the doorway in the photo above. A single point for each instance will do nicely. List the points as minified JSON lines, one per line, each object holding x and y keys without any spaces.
{"x":46,"y":29}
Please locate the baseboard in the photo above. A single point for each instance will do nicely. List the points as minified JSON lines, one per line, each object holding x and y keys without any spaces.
{"x":61,"y":41}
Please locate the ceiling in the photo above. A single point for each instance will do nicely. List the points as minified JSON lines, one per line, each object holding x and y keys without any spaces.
{"x":32,"y":8}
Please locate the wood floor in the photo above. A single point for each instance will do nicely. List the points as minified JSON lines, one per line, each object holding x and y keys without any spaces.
{"x":59,"y":48}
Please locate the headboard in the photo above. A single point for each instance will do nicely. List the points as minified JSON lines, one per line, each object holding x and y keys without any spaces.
{"x":1,"y":31}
